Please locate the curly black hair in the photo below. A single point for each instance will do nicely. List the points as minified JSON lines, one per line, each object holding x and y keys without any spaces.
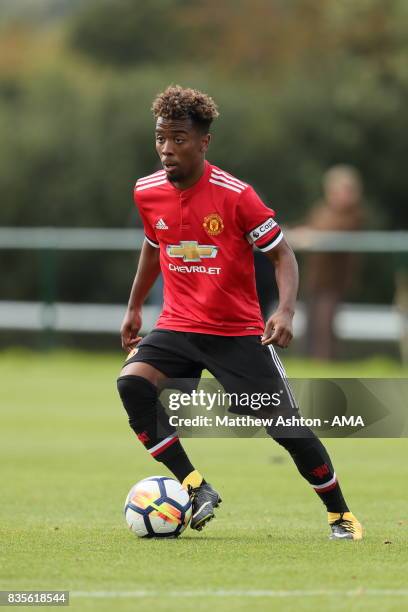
{"x":177,"y":102}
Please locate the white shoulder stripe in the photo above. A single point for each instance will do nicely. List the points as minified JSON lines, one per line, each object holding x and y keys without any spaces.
{"x":150,"y":185}
{"x":226,"y":180}
{"x":153,"y":180}
{"x":152,"y":177}
{"x":229,"y":177}
{"x":226,"y":185}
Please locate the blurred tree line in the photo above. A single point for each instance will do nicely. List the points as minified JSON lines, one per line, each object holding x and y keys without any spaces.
{"x":301,"y":85}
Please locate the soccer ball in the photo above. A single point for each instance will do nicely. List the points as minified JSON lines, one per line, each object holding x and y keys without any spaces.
{"x":157,"y":507}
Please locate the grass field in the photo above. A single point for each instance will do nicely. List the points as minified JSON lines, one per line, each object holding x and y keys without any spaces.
{"x":68,"y":459}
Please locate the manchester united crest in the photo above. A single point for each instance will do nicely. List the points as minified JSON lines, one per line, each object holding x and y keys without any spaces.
{"x":213,"y":224}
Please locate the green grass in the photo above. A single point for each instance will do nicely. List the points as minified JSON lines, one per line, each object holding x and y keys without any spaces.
{"x":68,"y":459}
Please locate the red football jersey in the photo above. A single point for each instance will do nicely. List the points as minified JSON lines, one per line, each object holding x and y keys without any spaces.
{"x":206,"y":235}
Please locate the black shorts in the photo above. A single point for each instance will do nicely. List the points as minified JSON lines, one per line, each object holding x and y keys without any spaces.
{"x":241,"y":364}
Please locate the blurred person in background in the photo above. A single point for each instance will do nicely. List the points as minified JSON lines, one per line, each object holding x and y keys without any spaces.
{"x":329,"y":276}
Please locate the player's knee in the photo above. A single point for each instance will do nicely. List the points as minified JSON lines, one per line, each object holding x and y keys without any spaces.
{"x":138,"y":395}
{"x":305,"y":440}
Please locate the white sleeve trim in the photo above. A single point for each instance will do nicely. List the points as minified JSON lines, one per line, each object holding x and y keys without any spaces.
{"x":153,"y":244}
{"x":273,"y":244}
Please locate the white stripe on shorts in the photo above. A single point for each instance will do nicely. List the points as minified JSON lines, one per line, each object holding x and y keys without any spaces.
{"x":282,"y":372}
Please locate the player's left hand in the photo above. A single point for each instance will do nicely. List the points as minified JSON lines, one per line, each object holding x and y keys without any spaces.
{"x":278,"y":329}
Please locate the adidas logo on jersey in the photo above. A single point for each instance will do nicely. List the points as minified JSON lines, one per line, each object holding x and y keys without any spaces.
{"x":161,"y":225}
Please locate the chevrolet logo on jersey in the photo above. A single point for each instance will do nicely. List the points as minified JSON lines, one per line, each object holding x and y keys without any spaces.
{"x":190,"y":250}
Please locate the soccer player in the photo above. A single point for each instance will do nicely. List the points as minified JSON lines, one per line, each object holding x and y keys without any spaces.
{"x":200,"y":226}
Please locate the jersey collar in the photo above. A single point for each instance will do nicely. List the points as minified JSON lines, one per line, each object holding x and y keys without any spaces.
{"x":199,"y":184}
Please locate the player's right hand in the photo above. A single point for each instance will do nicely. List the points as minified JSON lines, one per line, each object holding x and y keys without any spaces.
{"x":131,"y":324}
